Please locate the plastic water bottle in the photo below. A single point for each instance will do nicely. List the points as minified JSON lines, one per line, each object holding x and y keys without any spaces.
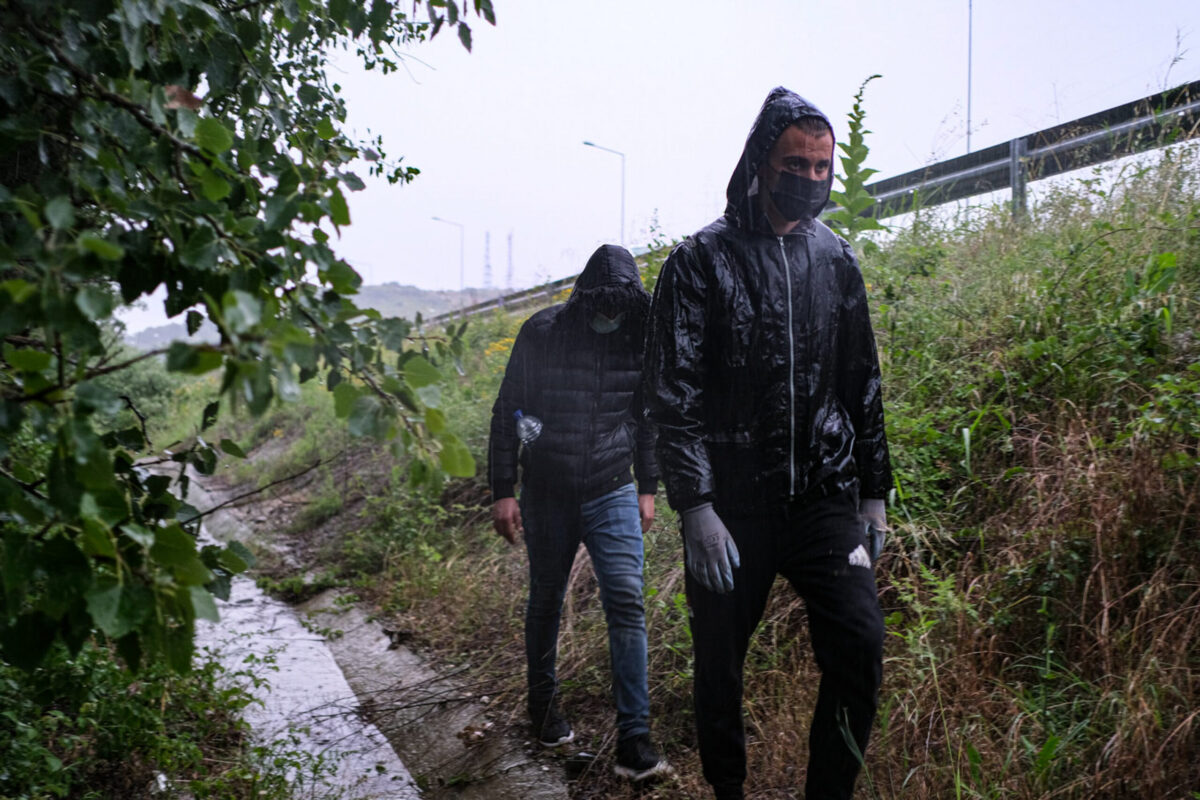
{"x":528,"y":428}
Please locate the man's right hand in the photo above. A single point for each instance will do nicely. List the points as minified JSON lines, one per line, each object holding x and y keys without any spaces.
{"x":506,"y":518}
{"x":711,"y":553}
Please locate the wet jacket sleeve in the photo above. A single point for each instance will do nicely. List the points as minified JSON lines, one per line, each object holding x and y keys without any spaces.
{"x":513,"y":395}
{"x":860,"y":387}
{"x":645,"y":465}
{"x":674,"y":377}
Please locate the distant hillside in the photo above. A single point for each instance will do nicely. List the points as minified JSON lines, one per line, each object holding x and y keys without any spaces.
{"x":162,"y":335}
{"x":396,"y":300}
{"x":390,"y":299}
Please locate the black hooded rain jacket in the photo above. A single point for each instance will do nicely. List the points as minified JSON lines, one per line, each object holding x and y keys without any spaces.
{"x":584,"y":387}
{"x":761,"y":371}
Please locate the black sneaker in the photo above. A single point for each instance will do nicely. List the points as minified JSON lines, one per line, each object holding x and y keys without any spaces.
{"x":550,"y":726}
{"x":638,"y":760}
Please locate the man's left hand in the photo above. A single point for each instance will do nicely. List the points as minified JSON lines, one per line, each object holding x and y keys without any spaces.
{"x":646,"y":510}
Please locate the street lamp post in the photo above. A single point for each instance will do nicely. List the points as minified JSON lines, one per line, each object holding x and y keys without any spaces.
{"x":622,"y":155}
{"x":461,"y":284}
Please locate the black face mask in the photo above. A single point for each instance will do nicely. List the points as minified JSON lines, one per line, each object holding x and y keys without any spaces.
{"x":797,"y":198}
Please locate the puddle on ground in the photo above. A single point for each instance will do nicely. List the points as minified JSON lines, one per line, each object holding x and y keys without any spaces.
{"x":371,"y":710}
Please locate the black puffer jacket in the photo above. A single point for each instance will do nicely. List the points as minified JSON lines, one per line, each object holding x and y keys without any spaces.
{"x":584,"y":387}
{"x":761,"y":370}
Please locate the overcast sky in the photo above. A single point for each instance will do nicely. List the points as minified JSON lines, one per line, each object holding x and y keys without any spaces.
{"x":498,"y":133}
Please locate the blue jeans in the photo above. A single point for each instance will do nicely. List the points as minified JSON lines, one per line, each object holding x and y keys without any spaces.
{"x":610,"y":527}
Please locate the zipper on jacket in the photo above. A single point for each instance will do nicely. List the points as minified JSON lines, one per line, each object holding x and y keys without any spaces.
{"x":787,"y":273}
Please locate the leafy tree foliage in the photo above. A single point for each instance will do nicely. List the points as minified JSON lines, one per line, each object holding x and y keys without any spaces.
{"x":193,"y":145}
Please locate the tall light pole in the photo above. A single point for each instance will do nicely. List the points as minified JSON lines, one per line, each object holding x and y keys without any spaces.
{"x":622,"y":155}
{"x":970,"y":43}
{"x":461,"y":284}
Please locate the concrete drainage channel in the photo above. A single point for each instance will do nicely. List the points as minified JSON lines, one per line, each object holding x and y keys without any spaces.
{"x":372,"y":711}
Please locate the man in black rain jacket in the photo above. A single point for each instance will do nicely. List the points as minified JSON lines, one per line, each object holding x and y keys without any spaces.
{"x":762,"y":379}
{"x":576,"y":369}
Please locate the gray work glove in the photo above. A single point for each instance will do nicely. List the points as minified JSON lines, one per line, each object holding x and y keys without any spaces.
{"x":874,"y":516}
{"x":711,"y":554}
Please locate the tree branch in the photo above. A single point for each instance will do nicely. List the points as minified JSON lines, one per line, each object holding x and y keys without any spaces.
{"x":30,"y":488}
{"x":262,"y":489}
{"x":141,"y":419}
{"x":95,"y":373}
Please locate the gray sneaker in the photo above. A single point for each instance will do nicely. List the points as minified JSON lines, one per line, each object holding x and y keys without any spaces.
{"x":637,"y":759}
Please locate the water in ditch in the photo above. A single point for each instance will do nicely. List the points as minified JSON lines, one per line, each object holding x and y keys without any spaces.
{"x":377,"y":721}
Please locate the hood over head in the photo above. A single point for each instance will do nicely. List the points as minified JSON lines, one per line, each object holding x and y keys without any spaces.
{"x":781,"y":108}
{"x":610,"y":284}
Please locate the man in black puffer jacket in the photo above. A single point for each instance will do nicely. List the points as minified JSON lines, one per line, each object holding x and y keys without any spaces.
{"x":576,"y":369}
{"x":762,"y":378}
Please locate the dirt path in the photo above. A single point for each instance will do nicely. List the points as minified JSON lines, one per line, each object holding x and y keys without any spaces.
{"x":371,"y":709}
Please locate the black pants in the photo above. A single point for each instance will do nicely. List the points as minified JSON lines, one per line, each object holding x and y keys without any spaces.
{"x":820,"y":549}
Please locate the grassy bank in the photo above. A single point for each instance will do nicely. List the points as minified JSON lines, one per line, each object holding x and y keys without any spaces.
{"x":86,"y":728}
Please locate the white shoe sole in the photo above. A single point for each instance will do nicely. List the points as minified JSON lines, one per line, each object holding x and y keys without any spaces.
{"x":661,"y":768}
{"x":570,"y":737}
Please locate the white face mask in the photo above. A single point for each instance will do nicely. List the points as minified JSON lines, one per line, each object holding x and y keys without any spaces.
{"x":603,"y":324}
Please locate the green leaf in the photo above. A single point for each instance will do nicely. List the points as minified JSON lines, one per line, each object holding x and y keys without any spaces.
{"x":91,"y":396}
{"x":230,"y":447}
{"x":325,"y":129}
{"x":19,"y":290}
{"x":344,"y":395}
{"x":352,"y":182}
{"x":103,"y":605}
{"x":242,"y":310}
{"x":212,"y":136}
{"x":118,"y":609}
{"x":60,"y":213}
{"x":26,"y":642}
{"x":91,"y":242}
{"x":200,"y":250}
{"x":342,"y":278}
{"x":68,"y":574}
{"x":339,"y":212}
{"x":94,"y":302}
{"x":194,"y":320}
{"x":455,"y":457}
{"x":141,"y":535}
{"x":280,"y":211}
{"x":97,"y":539}
{"x":369,"y":417}
{"x":256,"y":389}
{"x":435,"y":420}
{"x":215,"y":187}
{"x":236,"y":557}
{"x":175,"y":549}
{"x":209,"y":416}
{"x":203,"y":604}
{"x":193,"y":360}
{"x":394,"y":333}
{"x":27,"y":360}
{"x":419,"y":372}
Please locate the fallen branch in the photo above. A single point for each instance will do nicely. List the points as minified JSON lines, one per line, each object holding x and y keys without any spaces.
{"x":262,"y":489}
